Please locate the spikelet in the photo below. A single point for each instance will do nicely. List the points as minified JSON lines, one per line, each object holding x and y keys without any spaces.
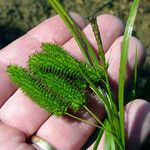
{"x":58,"y":61}
{"x":53,"y":79}
{"x":79,"y":84}
{"x":57,"y":51}
{"x":37,"y":91}
{"x":65,"y":89}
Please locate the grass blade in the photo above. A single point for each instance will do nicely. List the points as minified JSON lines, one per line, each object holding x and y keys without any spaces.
{"x":123,"y":62}
{"x":99,"y":137}
{"x":101,"y":54}
{"x":83,"y":43}
{"x":111,"y":141}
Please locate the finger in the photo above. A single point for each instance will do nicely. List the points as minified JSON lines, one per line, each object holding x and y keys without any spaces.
{"x":52,"y":30}
{"x":21,"y":112}
{"x":113,"y":58}
{"x":76,"y":133}
{"x":137,"y":124}
{"x":24,"y":121}
{"x":137,"y":121}
{"x":18,"y":51}
{"x":110,"y":27}
{"x":11,"y":138}
{"x":6,"y":89}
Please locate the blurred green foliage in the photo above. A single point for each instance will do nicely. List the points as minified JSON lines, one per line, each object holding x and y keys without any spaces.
{"x":18,"y":16}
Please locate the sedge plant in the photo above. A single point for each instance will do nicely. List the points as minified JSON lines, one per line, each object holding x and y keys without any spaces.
{"x":58,"y":83}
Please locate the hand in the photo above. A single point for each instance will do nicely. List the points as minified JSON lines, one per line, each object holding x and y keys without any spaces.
{"x":21,"y":118}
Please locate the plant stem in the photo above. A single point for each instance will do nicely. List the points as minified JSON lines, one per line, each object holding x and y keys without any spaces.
{"x":100,"y":95}
{"x":80,"y":38}
{"x":123,"y":62}
{"x":90,"y":123}
{"x":82,"y":120}
{"x":101,"y":54}
{"x":92,"y":114}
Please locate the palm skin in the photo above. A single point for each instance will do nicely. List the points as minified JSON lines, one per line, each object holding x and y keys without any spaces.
{"x":21,"y":118}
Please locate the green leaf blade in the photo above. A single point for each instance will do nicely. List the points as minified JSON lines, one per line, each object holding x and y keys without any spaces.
{"x":123,"y":62}
{"x":80,"y":38}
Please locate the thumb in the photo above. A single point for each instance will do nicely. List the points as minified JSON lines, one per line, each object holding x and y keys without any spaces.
{"x":137,"y":125}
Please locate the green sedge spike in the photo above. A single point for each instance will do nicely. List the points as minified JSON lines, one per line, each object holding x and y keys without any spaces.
{"x":55,"y":50}
{"x":66,"y":90}
{"x":79,"y":84}
{"x":51,"y":102}
{"x":58,"y":61}
{"x":62,"y":67}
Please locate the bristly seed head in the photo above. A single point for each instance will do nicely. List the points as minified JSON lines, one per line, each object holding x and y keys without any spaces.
{"x":53,"y":79}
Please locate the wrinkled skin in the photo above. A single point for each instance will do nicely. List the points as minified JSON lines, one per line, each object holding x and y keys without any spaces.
{"x":21,"y":118}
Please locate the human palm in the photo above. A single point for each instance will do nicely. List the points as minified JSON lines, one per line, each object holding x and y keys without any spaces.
{"x":21,"y":118}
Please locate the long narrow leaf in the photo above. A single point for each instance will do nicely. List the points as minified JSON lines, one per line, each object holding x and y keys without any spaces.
{"x":111,"y":141}
{"x":83,"y":43}
{"x":123,"y":62}
{"x":99,"y":137}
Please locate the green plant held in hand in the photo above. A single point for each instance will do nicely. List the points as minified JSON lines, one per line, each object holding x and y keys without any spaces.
{"x":54,"y":59}
{"x":57,"y":82}
{"x":37,"y":91}
{"x":53,"y":76}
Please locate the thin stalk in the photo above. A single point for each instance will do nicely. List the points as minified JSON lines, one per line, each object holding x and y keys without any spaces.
{"x":90,"y":123}
{"x":96,"y":31}
{"x":96,"y":144}
{"x":101,"y":97}
{"x":83,"y":43}
{"x":102,"y":124}
{"x":82,"y":120}
{"x":92,"y":114}
{"x":123,"y":62}
{"x":101,"y":54}
{"x":80,"y":38}
{"x":103,"y":100}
